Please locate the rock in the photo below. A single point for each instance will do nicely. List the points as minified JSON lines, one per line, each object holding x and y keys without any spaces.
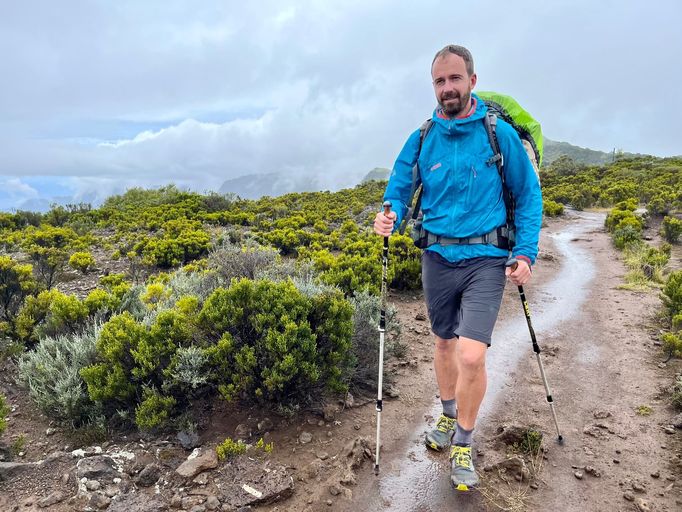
{"x":265,"y":425}
{"x":578,"y":475}
{"x":669,"y":429}
{"x":392,"y":391}
{"x":592,"y":471}
{"x":601,"y":415}
{"x":305,"y":437}
{"x":96,"y":468}
{"x":198,"y":461}
{"x":176,"y":501}
{"x":420,"y":316}
{"x":201,"y":479}
{"x":348,"y":478}
{"x":198,"y":508}
{"x":515,"y":466}
{"x":242,"y":432}
{"x":642,"y":505}
{"x":335,"y":489}
{"x":349,"y":401}
{"x":212,"y":503}
{"x":312,"y":470}
{"x":329,"y":412}
{"x":50,"y":431}
{"x":330,"y":503}
{"x":149,"y":475}
{"x":356,"y":451}
{"x":322,"y":455}
{"x":52,"y":499}
{"x":92,"y":485}
{"x":12,"y":468}
{"x":638,"y":487}
{"x":256,"y":485}
{"x":656,"y":474}
{"x":677,"y":421}
{"x":138,"y":502}
{"x":534,"y":485}
{"x":629,"y":496}
{"x":99,"y":501}
{"x":188,"y":439}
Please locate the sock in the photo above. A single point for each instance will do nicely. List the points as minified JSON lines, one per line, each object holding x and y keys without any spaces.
{"x":462,"y":436}
{"x":449,"y":408}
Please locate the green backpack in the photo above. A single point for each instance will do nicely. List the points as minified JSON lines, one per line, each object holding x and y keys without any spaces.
{"x":530,"y":133}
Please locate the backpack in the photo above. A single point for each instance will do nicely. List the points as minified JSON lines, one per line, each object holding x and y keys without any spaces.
{"x":530,"y":133}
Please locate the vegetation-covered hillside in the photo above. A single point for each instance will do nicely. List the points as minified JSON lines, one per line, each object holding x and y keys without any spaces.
{"x":269,"y":301}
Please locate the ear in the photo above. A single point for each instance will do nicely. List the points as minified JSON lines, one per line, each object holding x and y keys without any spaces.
{"x":473,"y":80}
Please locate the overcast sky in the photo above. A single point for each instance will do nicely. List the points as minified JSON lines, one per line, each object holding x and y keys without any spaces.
{"x":96,"y":96}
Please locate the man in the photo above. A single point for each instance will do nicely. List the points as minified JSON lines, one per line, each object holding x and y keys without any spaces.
{"x":464,"y":278}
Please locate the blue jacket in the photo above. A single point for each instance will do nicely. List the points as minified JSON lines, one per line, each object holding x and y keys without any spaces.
{"x":462,"y":194}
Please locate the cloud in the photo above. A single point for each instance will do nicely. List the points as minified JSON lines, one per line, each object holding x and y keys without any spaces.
{"x":116,"y":94}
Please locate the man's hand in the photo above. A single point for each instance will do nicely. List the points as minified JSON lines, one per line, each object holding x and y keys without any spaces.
{"x":383,"y":225}
{"x":520,"y":275}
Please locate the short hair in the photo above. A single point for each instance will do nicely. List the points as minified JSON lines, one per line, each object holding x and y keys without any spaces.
{"x":457,"y":50}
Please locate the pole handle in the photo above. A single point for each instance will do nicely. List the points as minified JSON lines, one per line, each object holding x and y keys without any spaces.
{"x":387,"y":207}
{"x":513,"y":263}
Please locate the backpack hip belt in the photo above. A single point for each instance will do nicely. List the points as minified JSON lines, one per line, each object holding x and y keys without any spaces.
{"x":499,"y":237}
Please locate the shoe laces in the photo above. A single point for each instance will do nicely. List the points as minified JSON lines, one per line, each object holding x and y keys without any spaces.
{"x":462,"y":456}
{"x":445,"y":424}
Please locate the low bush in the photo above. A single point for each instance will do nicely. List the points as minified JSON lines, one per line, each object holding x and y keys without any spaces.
{"x":551,"y":208}
{"x":51,"y":373}
{"x":82,"y":261}
{"x":229,"y":449}
{"x":671,"y":229}
{"x":672,"y":294}
{"x":4,"y":411}
{"x":154,"y":411}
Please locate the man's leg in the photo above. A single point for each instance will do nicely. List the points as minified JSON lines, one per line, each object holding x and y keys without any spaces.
{"x":445,"y":365}
{"x":471,"y":380}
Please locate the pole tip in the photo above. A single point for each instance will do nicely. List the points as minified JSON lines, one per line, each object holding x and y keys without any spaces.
{"x":560,"y":439}
{"x":376,"y":469}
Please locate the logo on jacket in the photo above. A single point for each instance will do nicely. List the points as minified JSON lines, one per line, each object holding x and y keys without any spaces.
{"x":436,"y":166}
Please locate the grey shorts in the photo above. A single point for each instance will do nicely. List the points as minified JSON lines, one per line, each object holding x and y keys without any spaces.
{"x":463,"y":298}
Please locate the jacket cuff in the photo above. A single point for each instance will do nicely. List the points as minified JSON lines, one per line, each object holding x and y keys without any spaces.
{"x":526,"y":259}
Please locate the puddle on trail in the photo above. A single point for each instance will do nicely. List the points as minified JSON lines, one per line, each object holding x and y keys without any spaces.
{"x":420,"y":484}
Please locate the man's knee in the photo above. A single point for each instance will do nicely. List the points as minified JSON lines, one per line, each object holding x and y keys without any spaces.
{"x":445,"y":345}
{"x":471,"y":355}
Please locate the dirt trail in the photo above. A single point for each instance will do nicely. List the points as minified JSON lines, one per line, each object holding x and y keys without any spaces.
{"x":601,"y":365}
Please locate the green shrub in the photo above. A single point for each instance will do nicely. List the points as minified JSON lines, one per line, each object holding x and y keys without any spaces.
{"x":112,"y":280}
{"x":672,"y":294}
{"x":274,"y":342}
{"x":48,"y":248}
{"x":16,"y":283}
{"x":671,"y":229}
{"x":82,"y":261}
{"x":625,"y":236}
{"x":551,"y":208}
{"x":4,"y":411}
{"x":672,"y":344}
{"x":229,"y":449}
{"x":50,"y":313}
{"x":676,"y":397}
{"x":154,"y":411}
{"x":51,"y":373}
{"x":365,"y":347}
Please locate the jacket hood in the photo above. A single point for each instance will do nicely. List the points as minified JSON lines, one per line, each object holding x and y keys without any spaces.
{"x":477,"y":115}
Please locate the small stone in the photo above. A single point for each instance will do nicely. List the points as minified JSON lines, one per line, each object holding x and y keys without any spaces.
{"x":212,"y":503}
{"x":356,"y":426}
{"x":616,"y":461}
{"x":335,"y":489}
{"x":642,"y":506}
{"x":534,"y":485}
{"x":149,"y":475}
{"x":578,"y":475}
{"x":320,"y":423}
{"x":420,"y":316}
{"x":601,"y":415}
{"x":52,"y":499}
{"x":629,"y":496}
{"x":669,"y":430}
{"x":656,"y":474}
{"x":638,"y":487}
{"x":305,"y":437}
{"x":176,"y":501}
{"x":201,"y":479}
{"x":349,"y":401}
{"x":242,"y":431}
{"x":50,"y":431}
{"x":188,"y":439}
{"x":92,"y":485}
{"x":322,"y":455}
{"x":330,"y":503}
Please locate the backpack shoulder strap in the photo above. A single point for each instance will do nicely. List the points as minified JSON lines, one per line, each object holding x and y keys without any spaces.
{"x":490,"y":122}
{"x":416,"y":178}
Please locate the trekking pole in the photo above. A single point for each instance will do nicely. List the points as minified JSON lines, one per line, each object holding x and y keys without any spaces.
{"x":382,"y":329}
{"x":513,"y":263}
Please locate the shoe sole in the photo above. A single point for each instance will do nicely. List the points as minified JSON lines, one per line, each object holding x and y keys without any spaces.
{"x":463,"y":487}
{"x":433,"y":445}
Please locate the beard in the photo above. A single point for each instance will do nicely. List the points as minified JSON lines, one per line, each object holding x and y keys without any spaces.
{"x":456,"y":107}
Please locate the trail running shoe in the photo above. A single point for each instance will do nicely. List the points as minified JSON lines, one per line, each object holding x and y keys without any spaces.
{"x":463,"y":475}
{"x":439,"y":438}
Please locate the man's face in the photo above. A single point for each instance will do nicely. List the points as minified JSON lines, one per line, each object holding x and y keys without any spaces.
{"x":452,"y":84}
